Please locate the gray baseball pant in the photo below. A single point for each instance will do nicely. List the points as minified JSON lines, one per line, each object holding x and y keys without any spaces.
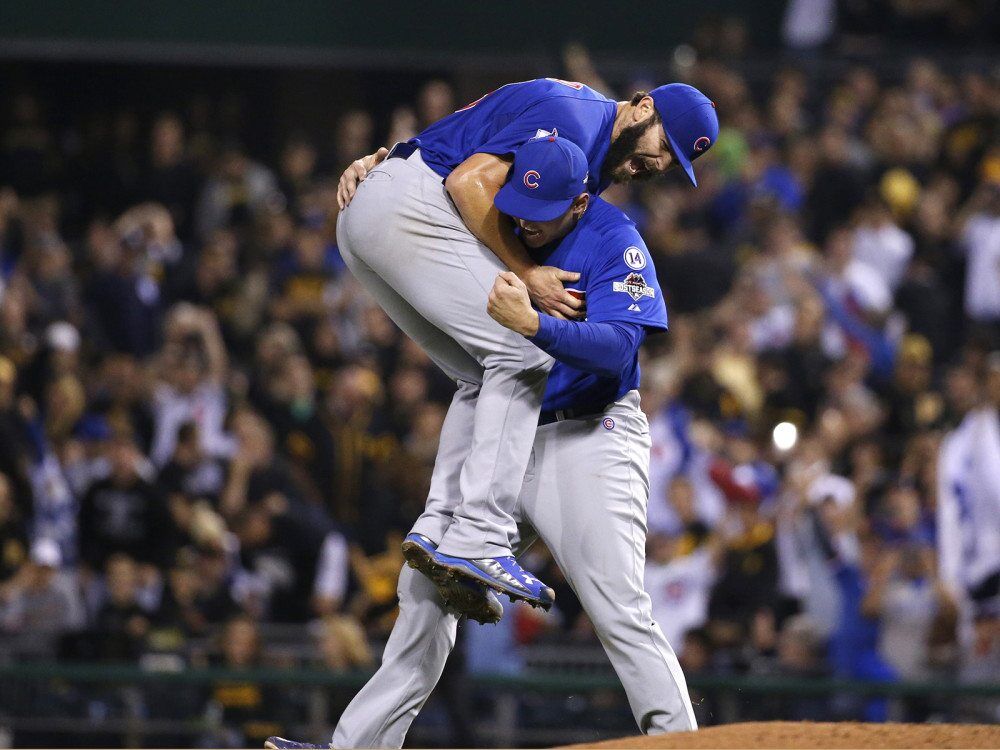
{"x":405,"y":241}
{"x":584,"y":495}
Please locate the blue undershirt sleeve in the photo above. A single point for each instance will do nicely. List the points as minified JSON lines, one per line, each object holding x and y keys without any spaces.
{"x":605,"y":349}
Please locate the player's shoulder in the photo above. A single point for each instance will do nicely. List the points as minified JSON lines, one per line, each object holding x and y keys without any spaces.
{"x":571,"y":110}
{"x":568,"y":89}
{"x":614,"y":241}
{"x":609,"y":223}
{"x":565,"y":97}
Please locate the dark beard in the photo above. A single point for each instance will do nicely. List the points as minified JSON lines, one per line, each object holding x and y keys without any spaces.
{"x":621,"y":149}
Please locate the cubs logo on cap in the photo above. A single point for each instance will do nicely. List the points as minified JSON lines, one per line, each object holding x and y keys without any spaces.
{"x":689,"y":122}
{"x":530,"y":196}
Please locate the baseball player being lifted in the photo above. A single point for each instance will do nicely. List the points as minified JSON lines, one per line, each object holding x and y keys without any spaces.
{"x":421,"y":233}
{"x":586,"y":486}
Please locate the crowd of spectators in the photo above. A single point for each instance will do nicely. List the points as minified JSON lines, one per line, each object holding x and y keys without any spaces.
{"x":206,"y":426}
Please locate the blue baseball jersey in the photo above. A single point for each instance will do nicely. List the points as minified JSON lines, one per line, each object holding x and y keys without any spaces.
{"x":617,"y":274}
{"x":503,"y":120}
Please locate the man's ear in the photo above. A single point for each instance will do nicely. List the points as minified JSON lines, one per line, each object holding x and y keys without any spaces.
{"x":580,"y":204}
{"x":643,"y":110}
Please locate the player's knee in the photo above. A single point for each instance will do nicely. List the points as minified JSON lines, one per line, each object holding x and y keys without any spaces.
{"x":527,"y":359}
{"x":621,"y":612}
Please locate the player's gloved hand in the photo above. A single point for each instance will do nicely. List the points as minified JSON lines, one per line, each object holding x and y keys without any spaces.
{"x":510,"y":306}
{"x":545,"y":287}
{"x":355,"y":173}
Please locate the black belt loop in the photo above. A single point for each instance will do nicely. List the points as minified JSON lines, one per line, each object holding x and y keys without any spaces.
{"x":403,"y":150}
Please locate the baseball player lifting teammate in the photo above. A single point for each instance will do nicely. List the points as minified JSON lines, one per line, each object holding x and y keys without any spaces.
{"x":421,"y":233}
{"x":586,"y":486}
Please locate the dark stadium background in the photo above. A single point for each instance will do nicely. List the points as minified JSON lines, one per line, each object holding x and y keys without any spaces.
{"x":831,"y":275}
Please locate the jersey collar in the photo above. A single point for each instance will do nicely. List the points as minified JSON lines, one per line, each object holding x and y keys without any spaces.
{"x":603,"y":142}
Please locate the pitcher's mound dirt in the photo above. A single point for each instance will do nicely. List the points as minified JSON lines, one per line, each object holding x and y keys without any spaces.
{"x":808,"y":736}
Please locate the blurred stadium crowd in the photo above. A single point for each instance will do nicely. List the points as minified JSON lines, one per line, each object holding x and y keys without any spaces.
{"x":206,"y":426}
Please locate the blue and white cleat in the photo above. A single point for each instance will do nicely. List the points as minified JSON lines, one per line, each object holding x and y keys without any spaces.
{"x":502,"y":574}
{"x":280,"y":743}
{"x":463,"y":596}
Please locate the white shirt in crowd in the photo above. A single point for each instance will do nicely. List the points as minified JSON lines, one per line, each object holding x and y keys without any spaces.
{"x":968,"y":510}
{"x":205,"y":406}
{"x":774,"y":329}
{"x":981,"y":242}
{"x":908,"y":612}
{"x":807,"y":573}
{"x":679,"y":591}
{"x":666,"y":458}
{"x":333,"y":570}
{"x":885,"y":248}
{"x":866,"y":285}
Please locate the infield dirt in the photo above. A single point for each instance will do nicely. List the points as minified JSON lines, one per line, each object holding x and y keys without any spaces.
{"x":810,"y":736}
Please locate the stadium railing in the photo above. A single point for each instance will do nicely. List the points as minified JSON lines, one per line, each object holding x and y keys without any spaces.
{"x":730,"y":693}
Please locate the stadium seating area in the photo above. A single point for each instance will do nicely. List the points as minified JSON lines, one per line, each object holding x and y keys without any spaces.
{"x":208,"y":431}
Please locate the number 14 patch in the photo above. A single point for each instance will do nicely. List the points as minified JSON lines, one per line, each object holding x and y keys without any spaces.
{"x":634,"y":286}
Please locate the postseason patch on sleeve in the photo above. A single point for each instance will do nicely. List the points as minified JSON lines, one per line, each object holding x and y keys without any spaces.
{"x":622,"y":285}
{"x":635,"y":286}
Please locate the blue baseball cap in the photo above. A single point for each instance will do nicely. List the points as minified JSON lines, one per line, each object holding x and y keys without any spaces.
{"x":549,"y":172}
{"x":689,"y":120}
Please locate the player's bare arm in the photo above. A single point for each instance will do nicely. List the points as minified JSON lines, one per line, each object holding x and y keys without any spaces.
{"x":472,"y":186}
{"x":509,"y":305}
